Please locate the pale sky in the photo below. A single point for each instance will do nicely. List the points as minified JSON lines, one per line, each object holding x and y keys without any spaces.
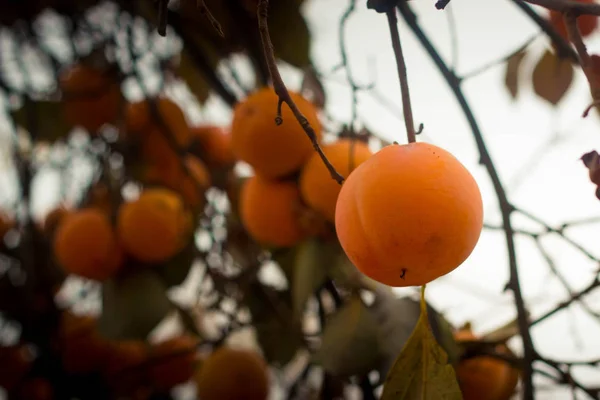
{"x":535,"y":147}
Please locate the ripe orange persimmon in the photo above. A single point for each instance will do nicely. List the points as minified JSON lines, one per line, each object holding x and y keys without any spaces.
{"x":232,"y":374}
{"x":319,"y":190}
{"x":409,"y":214}
{"x":155,"y":226}
{"x":215,"y":145}
{"x":53,"y":219}
{"x":83,"y":350}
{"x":172,"y":362}
{"x":85,"y":245}
{"x":484,"y":377}
{"x":191,"y":185}
{"x":270,"y":211}
{"x":586,"y":23}
{"x":273,"y":151}
{"x":91,"y":97}
{"x":157,"y":136}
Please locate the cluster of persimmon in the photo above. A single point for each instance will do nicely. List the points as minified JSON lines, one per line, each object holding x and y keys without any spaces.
{"x":109,"y":237}
{"x":404,"y":215}
{"x":135,"y":368}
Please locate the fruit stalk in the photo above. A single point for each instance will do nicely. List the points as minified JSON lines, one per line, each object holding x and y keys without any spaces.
{"x":281,"y":90}
{"x":406,"y":106}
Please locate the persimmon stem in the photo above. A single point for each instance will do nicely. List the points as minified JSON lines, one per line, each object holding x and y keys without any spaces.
{"x":406,"y":106}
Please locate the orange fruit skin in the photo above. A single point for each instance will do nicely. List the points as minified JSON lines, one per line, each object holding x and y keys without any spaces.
{"x":153,"y":135}
{"x":153,"y":228}
{"x":173,"y":362}
{"x":319,"y":190}
{"x":485,"y":378}
{"x":409,"y":214}
{"x":232,"y":374}
{"x":269,"y":210}
{"x":190,"y":186}
{"x":53,"y":219}
{"x":85,"y":245}
{"x":272,"y":151}
{"x":92,"y":98}
{"x":216,"y":145}
{"x":587,"y":23}
{"x":6,"y":224}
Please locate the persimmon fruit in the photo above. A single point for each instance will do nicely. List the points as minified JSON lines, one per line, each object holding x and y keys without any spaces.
{"x":319,"y":190}
{"x":92,"y":97}
{"x":270,"y":211}
{"x":485,"y":377}
{"x":154,"y":227}
{"x":272,"y":150}
{"x":172,"y":362}
{"x":232,"y":374}
{"x":215,"y":145}
{"x":409,"y":214}
{"x":85,"y":245}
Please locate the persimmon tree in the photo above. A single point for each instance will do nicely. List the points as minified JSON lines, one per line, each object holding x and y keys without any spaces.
{"x":339,"y":217}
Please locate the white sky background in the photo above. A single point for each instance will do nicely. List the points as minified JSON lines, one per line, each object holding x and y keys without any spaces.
{"x":535,"y":147}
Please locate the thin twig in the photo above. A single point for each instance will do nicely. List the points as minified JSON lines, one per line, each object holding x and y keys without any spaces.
{"x":204,"y":10}
{"x":281,"y":89}
{"x":575,"y":37}
{"x":506,"y":208}
{"x":406,"y":106}
{"x":563,"y":47}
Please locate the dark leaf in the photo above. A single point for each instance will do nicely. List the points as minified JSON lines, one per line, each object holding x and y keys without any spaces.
{"x":48,"y":117}
{"x":350,"y":345}
{"x":289,"y":33}
{"x":176,"y":270}
{"x":592,"y":161}
{"x":511,"y":74}
{"x":192,"y":76}
{"x":133,"y":305}
{"x":313,"y":261}
{"x":421,"y":371}
{"x":552,"y":77}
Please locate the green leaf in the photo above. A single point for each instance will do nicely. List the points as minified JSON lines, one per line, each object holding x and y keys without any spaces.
{"x":176,"y":270}
{"x":421,"y":370}
{"x":49,"y":120}
{"x":289,"y":33}
{"x":278,"y":335}
{"x":313,"y":260}
{"x":552,"y":77}
{"x":133,"y":305}
{"x":279,"y":342}
{"x":350,"y":344}
{"x":511,"y":74}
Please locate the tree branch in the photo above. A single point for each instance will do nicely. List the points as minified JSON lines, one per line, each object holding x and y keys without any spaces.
{"x":576,"y":7}
{"x":282,"y":92}
{"x":406,"y":106}
{"x":563,"y":47}
{"x":505,"y":207}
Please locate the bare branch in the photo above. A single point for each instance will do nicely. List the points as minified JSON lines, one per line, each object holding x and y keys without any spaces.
{"x":282,"y":92}
{"x":406,"y":106}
